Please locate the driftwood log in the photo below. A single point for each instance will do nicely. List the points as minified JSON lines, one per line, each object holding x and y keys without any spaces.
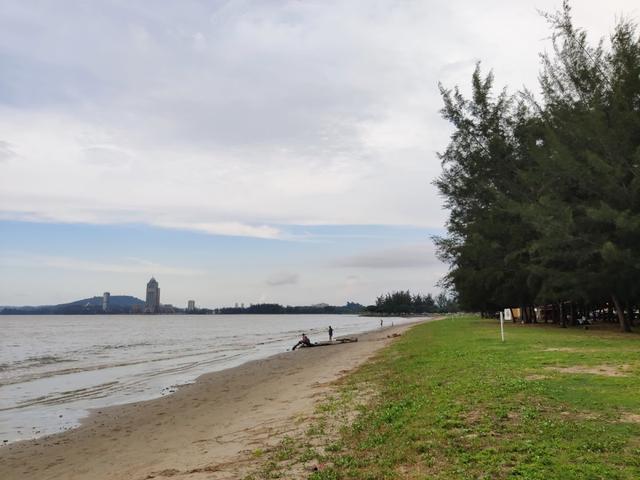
{"x":337,"y":341}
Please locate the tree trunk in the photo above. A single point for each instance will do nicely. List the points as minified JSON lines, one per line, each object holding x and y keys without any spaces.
{"x":572,"y":314}
{"x":631,"y":315}
{"x":624,"y":325}
{"x":563,"y":320}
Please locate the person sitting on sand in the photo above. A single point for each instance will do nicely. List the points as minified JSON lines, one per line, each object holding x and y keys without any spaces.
{"x":304,"y":341}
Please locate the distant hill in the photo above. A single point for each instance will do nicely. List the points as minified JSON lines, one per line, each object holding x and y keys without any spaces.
{"x":117,"y":304}
{"x":114,"y":301}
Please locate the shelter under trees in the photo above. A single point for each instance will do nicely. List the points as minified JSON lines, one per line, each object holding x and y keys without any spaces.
{"x":544,"y":192}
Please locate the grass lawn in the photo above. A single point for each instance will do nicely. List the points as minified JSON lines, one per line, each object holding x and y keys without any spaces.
{"x":452,"y":401}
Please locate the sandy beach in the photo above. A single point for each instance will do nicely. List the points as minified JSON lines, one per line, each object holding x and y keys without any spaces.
{"x":207,"y":429}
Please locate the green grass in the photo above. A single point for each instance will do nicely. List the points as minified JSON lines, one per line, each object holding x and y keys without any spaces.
{"x":455,"y":402}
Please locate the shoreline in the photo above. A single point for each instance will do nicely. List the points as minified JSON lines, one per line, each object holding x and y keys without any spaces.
{"x":136,"y":367}
{"x":214,"y":421}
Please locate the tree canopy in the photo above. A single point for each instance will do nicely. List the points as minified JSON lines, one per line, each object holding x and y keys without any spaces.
{"x":404,"y":302}
{"x":544,"y":191}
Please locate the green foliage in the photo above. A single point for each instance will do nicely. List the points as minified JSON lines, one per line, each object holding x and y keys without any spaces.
{"x":276,"y":308}
{"x":403,"y":302}
{"x":544,"y":197}
{"x":479,"y":180}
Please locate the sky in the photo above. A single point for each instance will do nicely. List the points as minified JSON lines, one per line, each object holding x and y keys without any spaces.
{"x":240,"y":151}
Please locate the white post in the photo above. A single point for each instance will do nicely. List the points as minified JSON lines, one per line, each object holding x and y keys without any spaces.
{"x":502,"y":325}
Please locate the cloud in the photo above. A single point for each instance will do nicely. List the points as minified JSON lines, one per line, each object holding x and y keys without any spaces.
{"x":70,"y":210}
{"x":5,"y":151}
{"x":409,"y":256}
{"x":232,"y":118}
{"x":131,"y":265}
{"x":107,"y":156}
{"x":283,"y":278}
{"x":230,"y":228}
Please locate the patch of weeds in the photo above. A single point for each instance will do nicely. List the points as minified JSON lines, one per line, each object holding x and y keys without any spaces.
{"x":317,"y":429}
{"x":347,"y":462}
{"x":328,"y":406}
{"x":270,"y":470}
{"x":334,"y":447}
{"x":257,"y":453}
{"x":285,"y":450}
{"x":326,"y":474}
{"x":308,"y":454}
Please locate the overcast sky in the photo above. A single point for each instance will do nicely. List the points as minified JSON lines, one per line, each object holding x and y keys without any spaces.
{"x":239,"y":150}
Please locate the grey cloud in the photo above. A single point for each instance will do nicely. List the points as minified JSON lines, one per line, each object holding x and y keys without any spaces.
{"x":283,"y":279}
{"x":410,"y":256}
{"x":6,"y":151}
{"x":248,"y":112}
{"x":261,"y":73}
{"x":107,"y":156}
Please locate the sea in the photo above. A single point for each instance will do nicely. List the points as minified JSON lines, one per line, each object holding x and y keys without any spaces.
{"x":55,"y":369}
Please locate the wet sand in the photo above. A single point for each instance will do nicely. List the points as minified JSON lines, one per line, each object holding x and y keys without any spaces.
{"x":207,"y":429}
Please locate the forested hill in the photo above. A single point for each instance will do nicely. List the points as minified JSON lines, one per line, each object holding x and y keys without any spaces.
{"x":117,"y":304}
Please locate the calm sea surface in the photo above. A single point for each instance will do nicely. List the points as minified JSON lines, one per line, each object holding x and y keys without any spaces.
{"x":53,"y":369}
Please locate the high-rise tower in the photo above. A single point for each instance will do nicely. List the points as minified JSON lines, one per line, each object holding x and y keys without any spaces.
{"x":105,"y":301}
{"x":152,"y":304}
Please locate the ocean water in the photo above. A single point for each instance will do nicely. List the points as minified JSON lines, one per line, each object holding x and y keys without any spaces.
{"x":55,"y":368}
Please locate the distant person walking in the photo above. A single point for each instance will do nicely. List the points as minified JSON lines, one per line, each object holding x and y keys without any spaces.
{"x":380,"y":323}
{"x":330,"y":333}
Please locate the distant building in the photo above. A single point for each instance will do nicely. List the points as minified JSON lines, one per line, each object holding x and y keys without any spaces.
{"x":167,"y":308}
{"x":152,"y":303}
{"x":105,"y":301}
{"x":191,"y":306}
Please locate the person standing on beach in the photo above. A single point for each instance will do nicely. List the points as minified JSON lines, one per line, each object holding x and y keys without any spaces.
{"x":330,"y":333}
{"x":380,"y":323}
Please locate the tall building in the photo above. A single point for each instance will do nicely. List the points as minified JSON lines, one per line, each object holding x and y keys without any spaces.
{"x":105,"y":301}
{"x":152,"y":303}
{"x":191,"y":306}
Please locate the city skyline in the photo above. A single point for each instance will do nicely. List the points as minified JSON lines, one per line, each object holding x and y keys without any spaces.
{"x":244,"y":151}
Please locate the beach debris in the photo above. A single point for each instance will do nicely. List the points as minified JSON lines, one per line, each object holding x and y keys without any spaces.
{"x":169,"y":472}
{"x":346,"y":339}
{"x":394,"y":335}
{"x":316,"y":467}
{"x":337,"y":341}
